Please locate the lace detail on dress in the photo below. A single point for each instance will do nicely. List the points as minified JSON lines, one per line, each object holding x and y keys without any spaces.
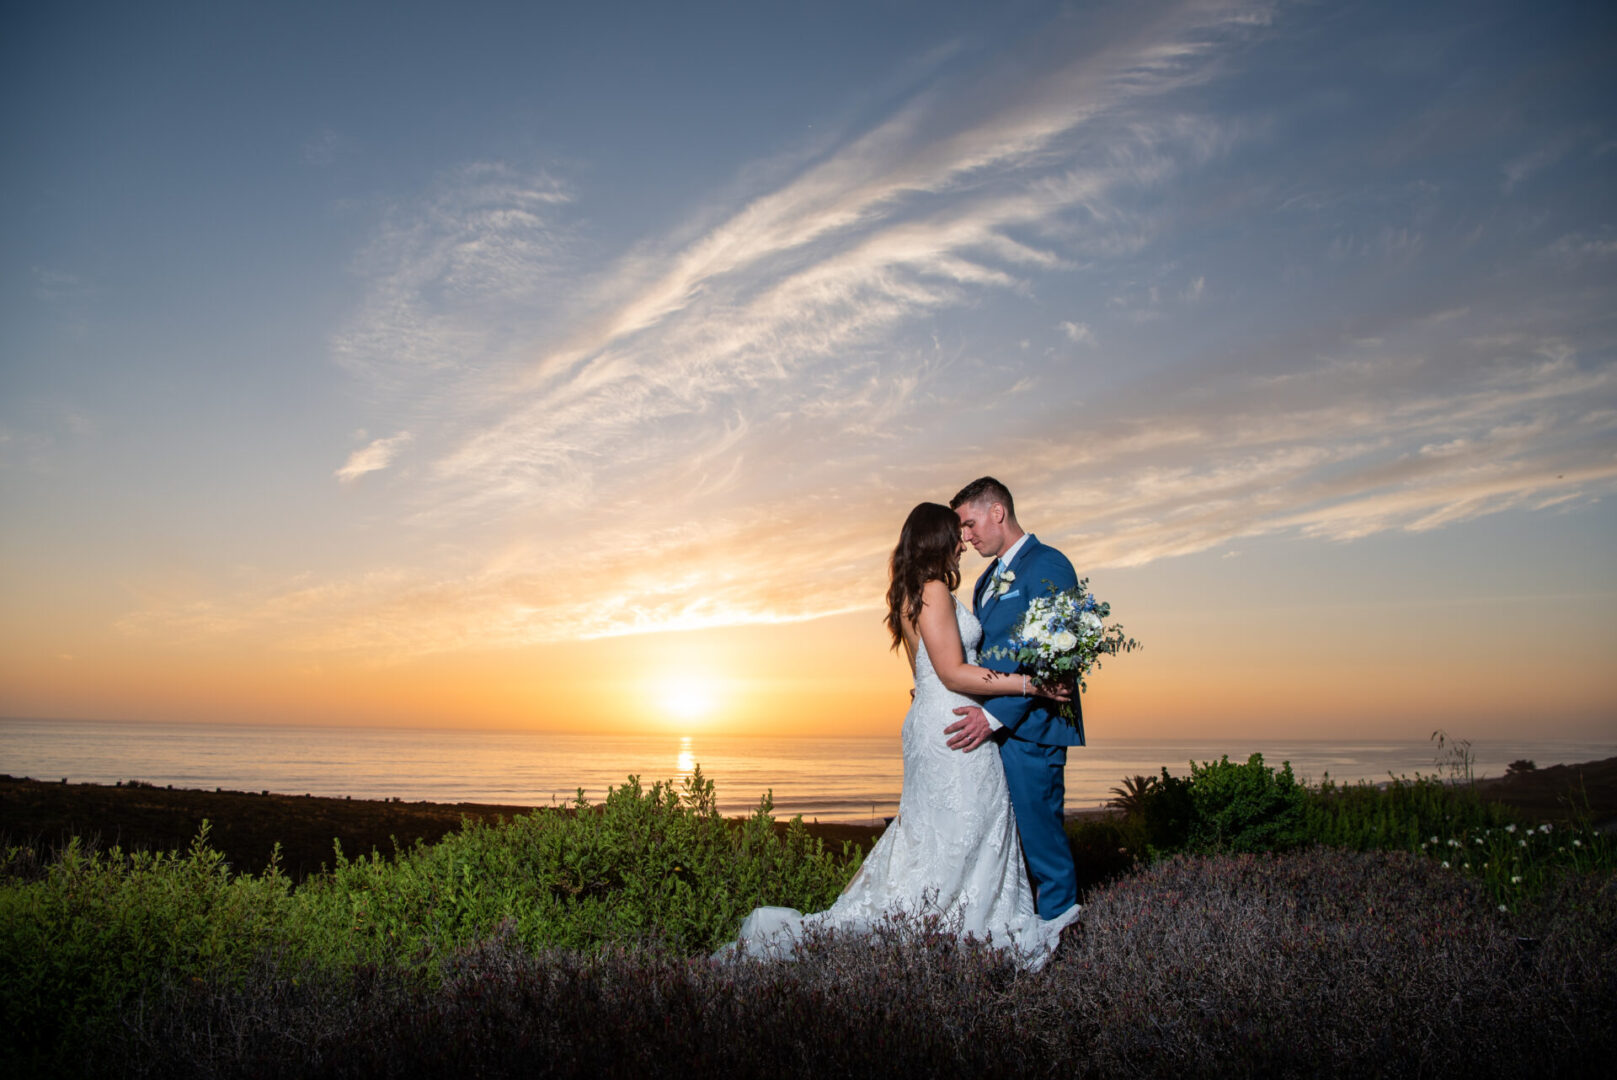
{"x":953,"y":849}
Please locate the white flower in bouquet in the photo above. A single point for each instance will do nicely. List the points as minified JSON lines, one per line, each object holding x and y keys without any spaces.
{"x":1061,"y":639}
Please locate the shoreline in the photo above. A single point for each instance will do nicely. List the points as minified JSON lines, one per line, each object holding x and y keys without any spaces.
{"x":245,"y":826}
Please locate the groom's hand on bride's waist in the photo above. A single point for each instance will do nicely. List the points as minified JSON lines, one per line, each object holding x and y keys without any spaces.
{"x":970,"y":731}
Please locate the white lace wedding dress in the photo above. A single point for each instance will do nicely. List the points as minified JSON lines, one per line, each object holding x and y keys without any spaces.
{"x":951,"y":852}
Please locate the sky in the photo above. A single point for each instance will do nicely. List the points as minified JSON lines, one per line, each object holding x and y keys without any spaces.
{"x":573,"y":367}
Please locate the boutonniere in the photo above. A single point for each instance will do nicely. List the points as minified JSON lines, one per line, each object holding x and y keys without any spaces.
{"x":1002,"y":583}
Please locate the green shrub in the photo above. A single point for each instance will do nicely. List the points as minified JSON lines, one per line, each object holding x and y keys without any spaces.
{"x":84,"y":939}
{"x":1245,"y":808}
{"x":647,"y":865}
{"x":93,"y":932}
{"x":1224,"y":807}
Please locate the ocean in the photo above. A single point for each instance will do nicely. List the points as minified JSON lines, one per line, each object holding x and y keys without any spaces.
{"x":826,"y":779}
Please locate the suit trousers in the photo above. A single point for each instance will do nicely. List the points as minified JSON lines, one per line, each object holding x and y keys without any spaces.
{"x":1036,"y":776}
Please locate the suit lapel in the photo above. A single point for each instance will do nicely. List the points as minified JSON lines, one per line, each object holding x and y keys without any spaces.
{"x":978,"y":600}
{"x":1021,"y":556}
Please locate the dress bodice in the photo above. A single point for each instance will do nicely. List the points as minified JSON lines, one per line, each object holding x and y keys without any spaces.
{"x":927,"y":685}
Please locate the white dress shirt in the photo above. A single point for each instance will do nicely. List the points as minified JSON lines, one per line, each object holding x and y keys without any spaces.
{"x":1008,"y":555}
{"x":1003,"y":564}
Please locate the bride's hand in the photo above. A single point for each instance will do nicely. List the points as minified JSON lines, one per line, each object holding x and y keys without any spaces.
{"x":1061,"y":692}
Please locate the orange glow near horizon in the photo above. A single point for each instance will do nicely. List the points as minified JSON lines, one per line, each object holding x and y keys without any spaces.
{"x":1332,"y":673}
{"x":1231,"y":647}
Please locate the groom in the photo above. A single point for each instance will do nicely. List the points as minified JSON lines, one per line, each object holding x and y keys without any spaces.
{"x":1032,"y":739}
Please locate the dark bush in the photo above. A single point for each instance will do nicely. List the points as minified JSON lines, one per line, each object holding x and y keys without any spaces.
{"x":1105,"y":849}
{"x":1246,"y":808}
{"x":1168,"y":813}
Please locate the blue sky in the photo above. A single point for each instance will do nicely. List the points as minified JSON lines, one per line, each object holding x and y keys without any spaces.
{"x":386,"y":333}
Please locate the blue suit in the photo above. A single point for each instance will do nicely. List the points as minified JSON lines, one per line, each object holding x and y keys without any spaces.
{"x":1033,"y":742}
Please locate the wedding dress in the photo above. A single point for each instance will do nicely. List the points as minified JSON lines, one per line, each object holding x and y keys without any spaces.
{"x":952,"y":852}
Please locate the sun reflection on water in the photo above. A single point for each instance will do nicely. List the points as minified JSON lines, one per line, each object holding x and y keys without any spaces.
{"x":687,"y":759}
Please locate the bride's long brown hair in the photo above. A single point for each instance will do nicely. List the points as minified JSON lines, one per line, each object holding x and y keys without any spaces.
{"x":928,"y":548}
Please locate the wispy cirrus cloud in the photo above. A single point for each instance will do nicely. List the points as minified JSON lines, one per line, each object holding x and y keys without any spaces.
{"x":1340,"y":449}
{"x":732,"y":419}
{"x":455,"y":281}
{"x":374,"y":456}
{"x":918,"y":216}
{"x":1377,"y":439}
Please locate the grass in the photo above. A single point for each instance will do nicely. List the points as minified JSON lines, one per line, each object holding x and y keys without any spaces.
{"x":1453,"y":825}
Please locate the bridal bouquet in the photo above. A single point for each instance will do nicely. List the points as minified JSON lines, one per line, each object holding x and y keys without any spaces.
{"x":1062,"y":638}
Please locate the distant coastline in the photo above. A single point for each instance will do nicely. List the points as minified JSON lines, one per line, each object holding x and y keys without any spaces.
{"x":246,"y":826}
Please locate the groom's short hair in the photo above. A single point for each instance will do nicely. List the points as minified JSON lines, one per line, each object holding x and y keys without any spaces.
{"x":985,"y":490}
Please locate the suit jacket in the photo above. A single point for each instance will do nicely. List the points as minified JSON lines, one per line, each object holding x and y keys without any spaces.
{"x":1038,"y":569}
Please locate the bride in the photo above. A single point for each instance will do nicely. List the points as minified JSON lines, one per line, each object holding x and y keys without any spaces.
{"x":952,"y":851}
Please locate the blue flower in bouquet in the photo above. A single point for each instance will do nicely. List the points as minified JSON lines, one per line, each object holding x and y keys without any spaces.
{"x":1061,"y":638}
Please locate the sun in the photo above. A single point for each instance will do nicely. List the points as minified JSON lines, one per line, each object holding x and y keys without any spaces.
{"x":687,"y":699}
